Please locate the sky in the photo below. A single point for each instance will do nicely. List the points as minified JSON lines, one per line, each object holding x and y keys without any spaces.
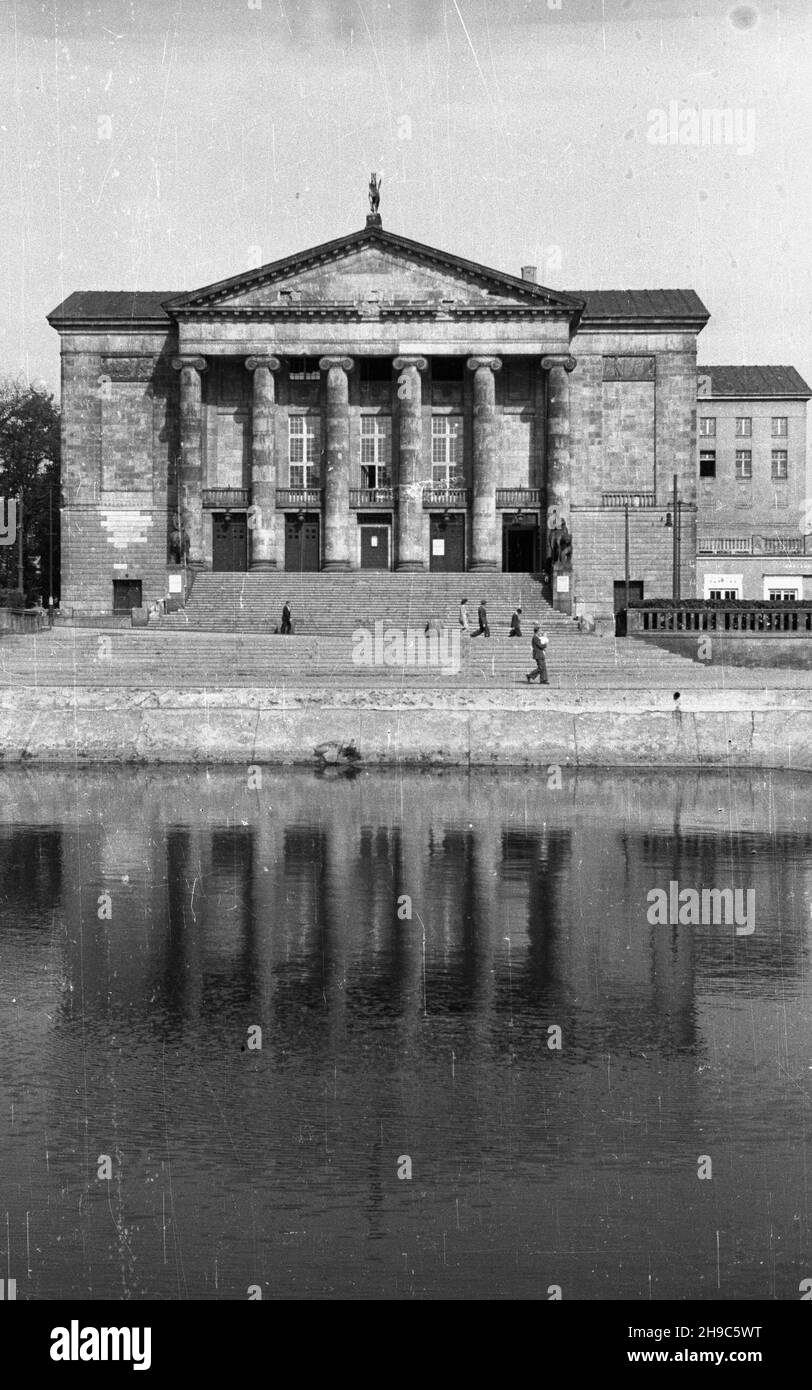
{"x":167,"y":144}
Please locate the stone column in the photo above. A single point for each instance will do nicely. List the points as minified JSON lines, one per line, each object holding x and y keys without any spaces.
{"x":263,"y":522}
{"x":558,"y":437}
{"x":190,"y":473}
{"x":410,"y":463}
{"x":485,"y":553}
{"x":336,"y":480}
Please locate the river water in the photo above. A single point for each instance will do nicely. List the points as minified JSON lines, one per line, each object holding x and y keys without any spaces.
{"x":402,"y":1035}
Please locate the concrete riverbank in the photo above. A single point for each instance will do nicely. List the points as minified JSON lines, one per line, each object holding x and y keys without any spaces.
{"x":743,"y":727}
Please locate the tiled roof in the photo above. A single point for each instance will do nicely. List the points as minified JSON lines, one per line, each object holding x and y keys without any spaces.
{"x":754,"y":381}
{"x":112,"y":304}
{"x":641,"y":304}
{"x":148,"y":304}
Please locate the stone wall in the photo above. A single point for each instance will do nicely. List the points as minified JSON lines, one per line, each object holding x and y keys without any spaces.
{"x":119,"y":440}
{"x":633,"y":403}
{"x":619,"y":728}
{"x":600,"y":536}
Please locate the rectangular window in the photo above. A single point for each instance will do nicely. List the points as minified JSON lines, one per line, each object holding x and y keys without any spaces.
{"x":303,"y":433}
{"x":780,"y":426}
{"x":376,"y":450}
{"x":304,"y":369}
{"x":446,"y":451}
{"x":707,"y":426}
{"x":707,"y":463}
{"x":783,"y":587}
{"x":744,"y":426}
{"x":744,"y":464}
{"x":779,"y":463}
{"x":723,"y":594}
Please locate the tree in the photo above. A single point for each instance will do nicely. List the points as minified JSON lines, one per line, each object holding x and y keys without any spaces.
{"x":30,"y":467}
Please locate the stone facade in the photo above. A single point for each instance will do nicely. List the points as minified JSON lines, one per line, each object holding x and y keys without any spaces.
{"x":375,"y":403}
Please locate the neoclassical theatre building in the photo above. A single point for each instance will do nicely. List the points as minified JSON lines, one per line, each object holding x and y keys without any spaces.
{"x":375,"y":403}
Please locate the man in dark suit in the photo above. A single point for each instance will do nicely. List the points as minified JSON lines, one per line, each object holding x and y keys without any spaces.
{"x":538,"y":645}
{"x":287,"y":625}
{"x":482,"y":614}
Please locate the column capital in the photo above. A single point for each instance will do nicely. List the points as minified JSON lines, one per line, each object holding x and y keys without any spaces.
{"x":495,"y":363}
{"x":325,"y":363}
{"x":558,"y":360}
{"x":400,"y":363}
{"x":199,"y":363}
{"x":272,"y":363}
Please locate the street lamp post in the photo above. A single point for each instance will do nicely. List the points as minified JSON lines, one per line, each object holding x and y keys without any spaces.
{"x":20,"y":543}
{"x":50,"y":556}
{"x":628,"y":581}
{"x":676,"y":527}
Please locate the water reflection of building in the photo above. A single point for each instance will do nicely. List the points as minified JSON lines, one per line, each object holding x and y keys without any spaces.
{"x":248,"y":908}
{"x":233,"y":907}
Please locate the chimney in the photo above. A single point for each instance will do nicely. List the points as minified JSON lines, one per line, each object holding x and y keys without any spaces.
{"x":529,"y":273}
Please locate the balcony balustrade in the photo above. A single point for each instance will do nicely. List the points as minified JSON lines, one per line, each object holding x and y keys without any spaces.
{"x":512,"y":497}
{"x":746,"y":617}
{"x":225,"y":499}
{"x":754,"y":545}
{"x":628,"y":499}
{"x":368,"y":498}
{"x":308,"y":498}
{"x":454,"y":498}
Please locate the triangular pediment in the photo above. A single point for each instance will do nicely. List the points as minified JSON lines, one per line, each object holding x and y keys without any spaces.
{"x":373,"y":267}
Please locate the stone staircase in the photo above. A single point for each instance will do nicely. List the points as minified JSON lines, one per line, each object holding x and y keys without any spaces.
{"x":167,"y":658}
{"x":332,"y":604}
{"x":225,"y":638}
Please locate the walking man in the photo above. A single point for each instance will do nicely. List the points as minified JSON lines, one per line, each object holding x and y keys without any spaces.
{"x":287,"y":625}
{"x":516,"y":623}
{"x":464,"y":615}
{"x":539,"y":645}
{"x":482,"y":614}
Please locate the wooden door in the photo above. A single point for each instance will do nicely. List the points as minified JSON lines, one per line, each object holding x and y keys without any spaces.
{"x":302,"y":544}
{"x":447,"y":538}
{"x":374,"y":547}
{"x":229,"y":549}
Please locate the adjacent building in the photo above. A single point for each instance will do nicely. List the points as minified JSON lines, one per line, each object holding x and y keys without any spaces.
{"x":376,"y":403}
{"x":754,"y":519}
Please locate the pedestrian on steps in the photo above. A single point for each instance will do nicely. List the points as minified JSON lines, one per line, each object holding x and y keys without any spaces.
{"x":482,"y":614}
{"x":287,"y":625}
{"x":539,"y":646}
{"x":464,"y":615}
{"x":516,"y":623}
